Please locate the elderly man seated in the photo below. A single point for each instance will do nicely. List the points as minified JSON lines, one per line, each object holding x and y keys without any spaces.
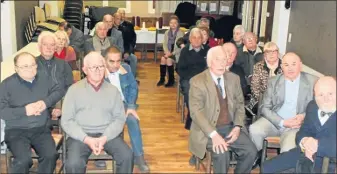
{"x":218,"y":114}
{"x":57,"y":69}
{"x":283,"y":106}
{"x":109,"y":20}
{"x":317,"y":136}
{"x":203,"y":22}
{"x":93,"y":117}
{"x":249,"y":55}
{"x":100,"y":41}
{"x":76,"y":36}
{"x":24,"y":99}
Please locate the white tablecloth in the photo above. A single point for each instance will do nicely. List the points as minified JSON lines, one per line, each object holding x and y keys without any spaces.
{"x":148,"y":37}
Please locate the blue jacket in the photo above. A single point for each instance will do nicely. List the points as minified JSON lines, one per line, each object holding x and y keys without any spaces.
{"x":326,"y":134}
{"x":129,"y":86}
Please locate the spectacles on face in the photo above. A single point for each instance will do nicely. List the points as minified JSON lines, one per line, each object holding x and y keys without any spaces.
{"x":95,"y":68}
{"x":26,"y":67}
{"x":271,"y":51}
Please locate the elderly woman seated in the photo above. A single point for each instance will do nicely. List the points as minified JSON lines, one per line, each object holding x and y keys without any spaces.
{"x":63,"y":50}
{"x":171,"y":51}
{"x":206,"y":38}
{"x":268,"y":67}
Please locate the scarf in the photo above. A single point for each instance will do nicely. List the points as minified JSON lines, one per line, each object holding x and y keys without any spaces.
{"x":272,"y":68}
{"x":171,"y":39}
{"x":99,"y":45}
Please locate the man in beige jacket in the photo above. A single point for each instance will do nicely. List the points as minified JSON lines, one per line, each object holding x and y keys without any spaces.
{"x":217,"y":111}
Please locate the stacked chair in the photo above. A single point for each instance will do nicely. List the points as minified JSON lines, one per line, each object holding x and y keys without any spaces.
{"x":72,"y":13}
{"x":49,"y":18}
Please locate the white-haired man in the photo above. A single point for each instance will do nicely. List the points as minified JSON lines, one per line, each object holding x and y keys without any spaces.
{"x":93,"y":116}
{"x":218,"y":114}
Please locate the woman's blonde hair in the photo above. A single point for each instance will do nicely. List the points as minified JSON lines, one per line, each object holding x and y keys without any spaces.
{"x":269,"y":46}
{"x":65,"y":35}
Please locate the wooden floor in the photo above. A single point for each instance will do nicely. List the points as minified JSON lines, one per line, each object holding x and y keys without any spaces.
{"x":164,"y":137}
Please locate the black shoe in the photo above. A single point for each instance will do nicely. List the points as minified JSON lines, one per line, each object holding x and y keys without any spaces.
{"x":193,"y":160}
{"x":141,"y":163}
{"x":161,"y":82}
{"x":257,"y":161}
{"x":169,"y":84}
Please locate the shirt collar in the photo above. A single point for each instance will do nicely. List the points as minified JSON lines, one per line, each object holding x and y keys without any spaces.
{"x":215,"y":77}
{"x":98,"y":87}
{"x":191,"y":48}
{"x":25,"y":81}
{"x":257,"y":50}
{"x":296,"y":80}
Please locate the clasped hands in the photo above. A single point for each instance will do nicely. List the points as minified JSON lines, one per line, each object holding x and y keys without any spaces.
{"x":310,"y":146}
{"x":220,"y":144}
{"x":294,"y":122}
{"x":35,"y":109}
{"x":95,"y":144}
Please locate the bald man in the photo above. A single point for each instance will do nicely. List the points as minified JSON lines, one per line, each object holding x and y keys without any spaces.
{"x":283,"y":106}
{"x":93,"y":117}
{"x":317,"y":136}
{"x":249,"y":55}
{"x":232,"y":51}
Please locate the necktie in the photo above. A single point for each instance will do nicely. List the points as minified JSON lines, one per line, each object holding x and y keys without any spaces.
{"x":219,"y":86}
{"x":326,"y":113}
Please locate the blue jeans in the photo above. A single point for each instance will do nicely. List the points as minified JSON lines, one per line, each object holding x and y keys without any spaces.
{"x":133,"y":63}
{"x":135,"y":135}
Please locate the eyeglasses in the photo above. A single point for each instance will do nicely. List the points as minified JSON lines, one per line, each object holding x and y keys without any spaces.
{"x":26,"y":67}
{"x":271,"y":51}
{"x":95,"y":68}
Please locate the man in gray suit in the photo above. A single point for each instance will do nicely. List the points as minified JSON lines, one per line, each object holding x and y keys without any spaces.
{"x":283,"y":106}
{"x":218,"y":114}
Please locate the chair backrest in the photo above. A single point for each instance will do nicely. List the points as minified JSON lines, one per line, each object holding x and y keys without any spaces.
{"x":47,"y":10}
{"x":39,"y":15}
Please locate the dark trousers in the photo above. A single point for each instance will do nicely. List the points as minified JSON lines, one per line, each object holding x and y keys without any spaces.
{"x":20,"y":142}
{"x":185,"y":88}
{"x":294,"y":161}
{"x":243,"y":147}
{"x":78,"y":154}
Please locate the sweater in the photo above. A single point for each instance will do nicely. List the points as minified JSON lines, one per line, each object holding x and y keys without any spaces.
{"x":86,"y":111}
{"x":15,"y":94}
{"x":191,"y":62}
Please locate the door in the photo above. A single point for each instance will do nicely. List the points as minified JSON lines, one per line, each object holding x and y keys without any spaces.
{"x":269,"y":20}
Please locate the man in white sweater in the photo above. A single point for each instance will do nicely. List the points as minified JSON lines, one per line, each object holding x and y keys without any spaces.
{"x":94,"y":121}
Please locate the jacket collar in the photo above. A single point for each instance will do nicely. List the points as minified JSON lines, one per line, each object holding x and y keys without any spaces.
{"x":258,"y":49}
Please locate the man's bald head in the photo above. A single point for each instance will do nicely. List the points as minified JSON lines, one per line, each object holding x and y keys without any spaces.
{"x":325,"y":93}
{"x":291,"y":65}
{"x":231,"y":50}
{"x":108,"y":19}
{"x":118,"y":18}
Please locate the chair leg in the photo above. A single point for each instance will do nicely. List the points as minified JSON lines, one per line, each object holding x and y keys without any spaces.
{"x":114,"y":166}
{"x":264,"y":153}
{"x":208,"y":162}
{"x":178,"y":98}
{"x":8,"y":161}
{"x":183,"y":110}
{"x":197,"y":163}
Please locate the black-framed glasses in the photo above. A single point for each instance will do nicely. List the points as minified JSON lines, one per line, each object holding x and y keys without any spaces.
{"x":95,"y":68}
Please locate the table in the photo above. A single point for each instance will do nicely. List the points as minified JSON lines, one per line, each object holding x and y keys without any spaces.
{"x":145,"y":37}
{"x":7,"y":66}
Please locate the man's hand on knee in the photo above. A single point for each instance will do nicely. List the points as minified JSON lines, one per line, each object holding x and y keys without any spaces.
{"x":219,"y":144}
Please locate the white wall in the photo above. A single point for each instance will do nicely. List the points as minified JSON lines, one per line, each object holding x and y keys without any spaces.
{"x":8,"y":29}
{"x":280,"y":32}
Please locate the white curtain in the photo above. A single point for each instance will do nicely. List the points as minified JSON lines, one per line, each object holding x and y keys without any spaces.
{"x":166,"y":6}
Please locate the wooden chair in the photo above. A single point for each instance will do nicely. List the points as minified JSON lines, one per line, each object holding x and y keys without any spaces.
{"x":40,"y":20}
{"x":58,"y":139}
{"x":270,"y":142}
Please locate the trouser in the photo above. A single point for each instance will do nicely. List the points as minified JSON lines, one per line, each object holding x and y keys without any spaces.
{"x":20,"y":142}
{"x":263,"y":128}
{"x":243,"y":147}
{"x":185,"y":87}
{"x":135,"y":135}
{"x":133,"y":64}
{"x":78,"y":154}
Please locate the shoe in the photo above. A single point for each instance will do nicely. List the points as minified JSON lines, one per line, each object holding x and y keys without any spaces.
{"x":193,"y":160}
{"x":161,"y":82}
{"x":100,"y":164}
{"x":257,"y":161}
{"x":141,"y":163}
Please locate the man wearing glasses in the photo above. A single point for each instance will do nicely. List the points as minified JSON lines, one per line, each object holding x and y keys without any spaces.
{"x":24,"y":99}
{"x":93,"y":117}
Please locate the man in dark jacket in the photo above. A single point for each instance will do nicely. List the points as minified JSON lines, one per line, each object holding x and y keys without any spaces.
{"x":76,"y":36}
{"x":24,"y":99}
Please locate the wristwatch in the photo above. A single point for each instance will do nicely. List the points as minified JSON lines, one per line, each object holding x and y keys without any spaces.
{"x":238,"y":126}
